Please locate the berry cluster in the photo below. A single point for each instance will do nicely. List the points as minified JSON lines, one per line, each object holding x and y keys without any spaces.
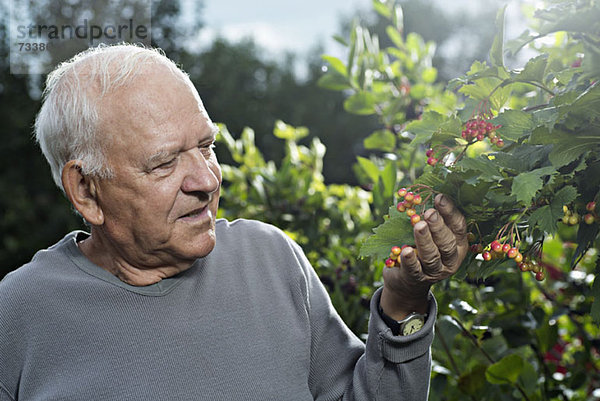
{"x":506,"y":245}
{"x":497,"y":250}
{"x":394,"y":259}
{"x":591,"y":216}
{"x":531,"y":265}
{"x":479,"y":128}
{"x":431,"y":159}
{"x":572,"y":218}
{"x":408,"y":202}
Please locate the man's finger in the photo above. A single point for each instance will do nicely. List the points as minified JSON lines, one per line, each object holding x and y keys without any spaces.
{"x":431,"y":261}
{"x":410,"y":262}
{"x":452,"y":217}
{"x":443,"y":237}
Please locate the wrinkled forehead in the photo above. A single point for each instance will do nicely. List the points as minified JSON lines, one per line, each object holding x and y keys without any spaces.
{"x":156,"y":101}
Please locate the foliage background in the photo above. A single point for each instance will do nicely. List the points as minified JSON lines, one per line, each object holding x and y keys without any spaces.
{"x":322,"y":156}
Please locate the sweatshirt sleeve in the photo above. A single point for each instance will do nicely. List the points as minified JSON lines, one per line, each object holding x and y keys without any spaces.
{"x":389,"y":367}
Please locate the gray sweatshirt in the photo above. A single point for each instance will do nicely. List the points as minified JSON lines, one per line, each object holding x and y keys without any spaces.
{"x":250,"y":321}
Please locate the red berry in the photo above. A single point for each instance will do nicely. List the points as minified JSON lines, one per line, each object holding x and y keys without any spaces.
{"x":464,"y":134}
{"x":396,"y":250}
{"x":432,"y":161}
{"x":496,"y":246}
{"x":589,"y":218}
{"x":590,"y":206}
{"x":500,"y":143}
{"x":487,"y":256}
{"x":400,"y":207}
{"x":540,"y":275}
{"x":409,"y":197}
{"x":417,"y":199}
{"x":523,"y":266}
{"x":411,"y":212}
{"x":415,"y":219}
{"x":402,"y":192}
{"x":390,"y":262}
{"x":519,"y":257}
{"x":489,"y":127}
{"x":512,"y":253}
{"x":480,"y":137}
{"x":505,"y":248}
{"x":429,"y":152}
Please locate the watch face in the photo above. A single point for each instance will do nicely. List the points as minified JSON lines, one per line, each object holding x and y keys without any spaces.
{"x":412,"y":326}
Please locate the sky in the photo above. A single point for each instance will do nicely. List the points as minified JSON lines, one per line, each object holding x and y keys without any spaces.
{"x":279,"y":25}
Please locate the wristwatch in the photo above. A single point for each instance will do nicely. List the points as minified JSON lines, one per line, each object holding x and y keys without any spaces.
{"x":409,"y":325}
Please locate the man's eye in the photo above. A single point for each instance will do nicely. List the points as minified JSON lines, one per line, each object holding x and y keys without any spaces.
{"x":207,"y":149}
{"x":164,"y":165}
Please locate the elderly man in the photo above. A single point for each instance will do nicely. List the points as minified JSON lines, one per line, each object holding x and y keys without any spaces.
{"x":162,"y":301}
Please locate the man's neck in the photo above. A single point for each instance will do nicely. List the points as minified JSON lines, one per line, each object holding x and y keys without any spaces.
{"x":102,"y":256}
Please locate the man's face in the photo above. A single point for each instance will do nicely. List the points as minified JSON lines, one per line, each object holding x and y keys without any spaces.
{"x":160,"y":207}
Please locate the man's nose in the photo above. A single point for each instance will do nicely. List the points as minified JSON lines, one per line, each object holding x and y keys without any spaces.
{"x":202,"y":174}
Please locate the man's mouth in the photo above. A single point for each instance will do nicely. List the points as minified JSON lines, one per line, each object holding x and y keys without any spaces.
{"x":195,"y":213}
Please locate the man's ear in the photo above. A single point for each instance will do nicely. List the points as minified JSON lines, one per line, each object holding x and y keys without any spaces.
{"x":82,"y":192}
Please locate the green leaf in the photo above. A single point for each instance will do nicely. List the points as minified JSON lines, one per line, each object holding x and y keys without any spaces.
{"x":429,"y":75}
{"x":563,"y":196}
{"x":526,"y":185}
{"x":341,"y":40}
{"x":336,"y":64}
{"x":395,"y":36}
{"x":534,"y":70}
{"x":369,"y":168}
{"x":508,"y":162}
{"x":394,"y":231}
{"x":424,"y":128}
{"x":435,"y":127}
{"x":515,"y":124}
{"x":497,"y":50}
{"x":288,"y":132}
{"x":382,"y":9}
{"x":505,"y":371}
{"x":362,"y":103}
{"x":334,"y":81}
{"x":473,"y":194}
{"x":571,"y":147}
{"x":473,"y":382}
{"x":513,"y":46}
{"x":486,"y":168}
{"x":382,"y":140}
{"x":586,"y":234}
{"x":544,"y":219}
{"x":586,"y":105}
{"x":547,"y":335}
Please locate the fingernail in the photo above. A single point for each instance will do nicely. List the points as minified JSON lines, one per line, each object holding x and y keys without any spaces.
{"x":443,"y":201}
{"x":434,"y":217}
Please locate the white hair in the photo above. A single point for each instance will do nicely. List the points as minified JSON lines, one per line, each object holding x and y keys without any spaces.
{"x":66,"y":127}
